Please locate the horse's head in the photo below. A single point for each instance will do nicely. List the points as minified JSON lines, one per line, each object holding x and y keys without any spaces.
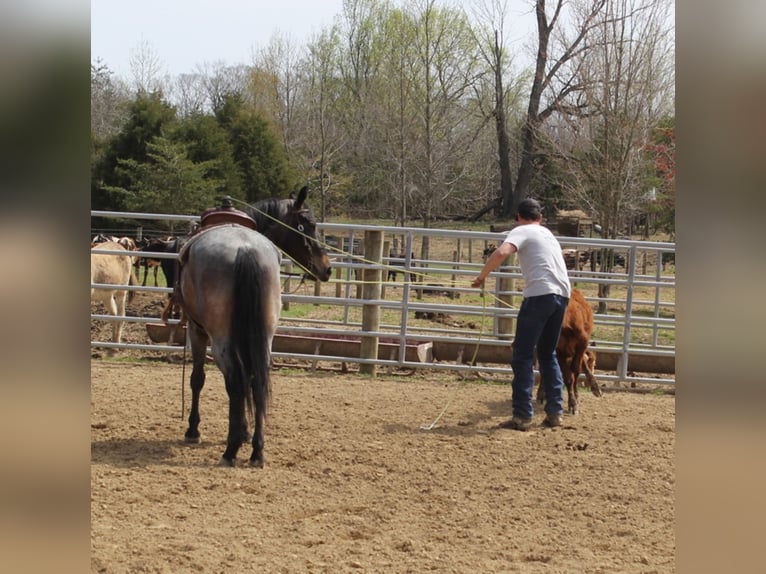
{"x":297,"y":237}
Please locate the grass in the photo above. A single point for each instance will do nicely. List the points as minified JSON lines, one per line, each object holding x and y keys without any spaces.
{"x":161,"y":281}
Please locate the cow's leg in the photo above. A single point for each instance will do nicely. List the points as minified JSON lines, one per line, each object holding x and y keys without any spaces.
{"x":118,"y":304}
{"x":589,"y":366}
{"x":566,"y":374}
{"x":110,"y":302}
{"x":575,"y":366}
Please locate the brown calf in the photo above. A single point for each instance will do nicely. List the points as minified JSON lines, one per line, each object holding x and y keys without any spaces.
{"x":572,"y":350}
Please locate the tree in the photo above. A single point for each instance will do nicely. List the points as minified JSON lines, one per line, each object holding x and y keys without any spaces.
{"x":190,"y":95}
{"x":206,"y":140}
{"x":146,"y":67}
{"x":168,"y":181}
{"x":553,"y":77}
{"x":109,"y":100}
{"x":148,"y":116}
{"x":275,"y":80}
{"x":322,"y":139}
{"x":221,"y":80}
{"x":661,"y":151}
{"x":261,"y":160}
{"x":491,"y":44}
{"x":626,"y":78}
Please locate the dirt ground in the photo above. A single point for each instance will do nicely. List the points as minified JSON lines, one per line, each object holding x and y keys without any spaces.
{"x":353,"y":481}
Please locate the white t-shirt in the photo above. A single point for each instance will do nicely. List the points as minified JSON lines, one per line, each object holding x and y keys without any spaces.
{"x":542,"y":263}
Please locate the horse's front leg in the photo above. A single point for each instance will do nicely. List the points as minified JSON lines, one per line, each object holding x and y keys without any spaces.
{"x":199,"y":341}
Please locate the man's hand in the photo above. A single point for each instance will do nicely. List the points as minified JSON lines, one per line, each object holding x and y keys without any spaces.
{"x":477,"y":282}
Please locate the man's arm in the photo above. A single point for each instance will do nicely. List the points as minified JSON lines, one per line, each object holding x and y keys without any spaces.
{"x":494,"y":261}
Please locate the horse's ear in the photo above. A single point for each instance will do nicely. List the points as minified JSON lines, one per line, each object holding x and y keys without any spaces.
{"x":301,"y":197}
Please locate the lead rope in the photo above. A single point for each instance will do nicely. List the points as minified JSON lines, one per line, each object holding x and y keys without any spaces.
{"x":473,"y":361}
{"x":183,"y":379}
{"x":302,"y":282}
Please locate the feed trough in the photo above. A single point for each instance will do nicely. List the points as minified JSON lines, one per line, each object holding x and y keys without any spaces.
{"x":163,"y":333}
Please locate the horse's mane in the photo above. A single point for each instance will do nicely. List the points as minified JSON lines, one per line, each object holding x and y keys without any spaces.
{"x":267,"y":210}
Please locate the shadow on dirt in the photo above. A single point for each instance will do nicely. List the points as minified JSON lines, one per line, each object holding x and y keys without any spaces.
{"x":132,"y":453}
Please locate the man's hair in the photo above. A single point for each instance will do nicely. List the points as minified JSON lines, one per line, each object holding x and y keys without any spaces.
{"x":530,"y":209}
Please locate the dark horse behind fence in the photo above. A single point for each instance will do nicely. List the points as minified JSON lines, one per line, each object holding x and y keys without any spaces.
{"x":229,"y":289}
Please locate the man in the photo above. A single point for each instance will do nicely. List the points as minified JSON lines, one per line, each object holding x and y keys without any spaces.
{"x":546,"y":295}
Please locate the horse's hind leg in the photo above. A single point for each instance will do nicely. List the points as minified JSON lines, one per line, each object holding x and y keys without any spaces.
{"x":199,"y":341}
{"x":256,"y":458}
{"x":237,"y":427}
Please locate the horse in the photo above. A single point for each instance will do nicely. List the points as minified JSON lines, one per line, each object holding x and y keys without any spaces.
{"x":158,"y":245}
{"x":230,"y":295}
{"x":112,"y":270}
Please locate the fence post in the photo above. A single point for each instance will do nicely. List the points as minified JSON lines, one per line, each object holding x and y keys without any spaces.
{"x":373,"y":253}
{"x":505,"y":327}
{"x":384,"y":274}
{"x":288,"y":270}
{"x":317,"y":290}
{"x":455,"y":261}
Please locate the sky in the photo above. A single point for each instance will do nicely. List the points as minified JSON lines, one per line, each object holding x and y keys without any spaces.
{"x":185,"y":33}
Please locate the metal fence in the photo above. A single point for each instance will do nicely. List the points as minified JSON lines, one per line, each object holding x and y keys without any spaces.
{"x":431,"y":303}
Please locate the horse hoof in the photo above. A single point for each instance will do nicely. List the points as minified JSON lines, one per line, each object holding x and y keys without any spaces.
{"x":192,"y":439}
{"x":256,"y":462}
{"x":225,"y":462}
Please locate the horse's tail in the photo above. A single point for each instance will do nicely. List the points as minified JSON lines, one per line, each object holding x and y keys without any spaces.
{"x":250,"y":352}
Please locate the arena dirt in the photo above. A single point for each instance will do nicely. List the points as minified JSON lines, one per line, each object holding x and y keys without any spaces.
{"x":353,"y":483}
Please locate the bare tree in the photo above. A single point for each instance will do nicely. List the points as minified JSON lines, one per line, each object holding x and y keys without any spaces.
{"x":323,"y":140}
{"x":146,"y":68}
{"x":627,"y":88}
{"x":221,"y":80}
{"x":189,"y":94}
{"x":553,"y":84}
{"x":274,"y":85}
{"x":448,"y":67}
{"x":627,"y":80}
{"x":108,"y":101}
{"x":490,"y":39}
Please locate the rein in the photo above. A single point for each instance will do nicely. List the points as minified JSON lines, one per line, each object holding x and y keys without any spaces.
{"x":284,"y":285}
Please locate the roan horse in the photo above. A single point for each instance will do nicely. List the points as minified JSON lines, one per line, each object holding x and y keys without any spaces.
{"x":229,"y":290}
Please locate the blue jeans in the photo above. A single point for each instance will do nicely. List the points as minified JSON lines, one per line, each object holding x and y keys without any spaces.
{"x":538,"y":325}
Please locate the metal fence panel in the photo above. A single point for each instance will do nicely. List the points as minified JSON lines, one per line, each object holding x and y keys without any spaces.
{"x":641,"y":306}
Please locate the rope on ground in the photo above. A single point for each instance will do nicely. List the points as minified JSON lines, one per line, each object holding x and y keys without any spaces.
{"x":473,"y":361}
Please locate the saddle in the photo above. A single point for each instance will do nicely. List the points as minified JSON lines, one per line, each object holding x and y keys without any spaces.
{"x":226,"y":214}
